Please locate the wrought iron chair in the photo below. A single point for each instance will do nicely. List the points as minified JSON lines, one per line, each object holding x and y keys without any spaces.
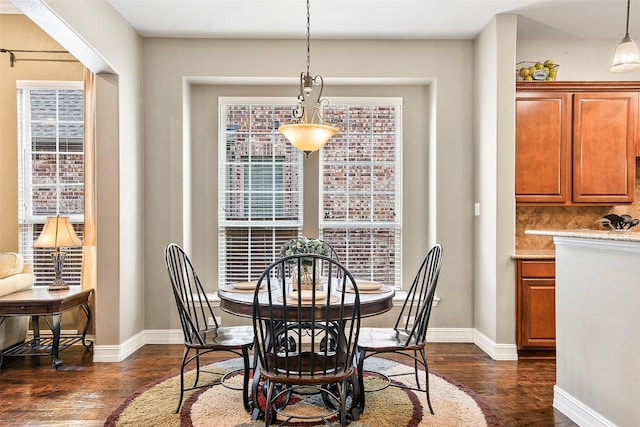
{"x":306,"y":338}
{"x":408,"y":336}
{"x":202,"y":332}
{"x":333,"y":254}
{"x":332,"y":249}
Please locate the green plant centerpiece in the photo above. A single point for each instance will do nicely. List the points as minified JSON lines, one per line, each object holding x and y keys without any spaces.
{"x":305,"y":245}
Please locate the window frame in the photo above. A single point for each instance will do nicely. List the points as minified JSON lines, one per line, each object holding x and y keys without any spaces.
{"x":395,"y":226}
{"x":259,"y":224}
{"x":397,"y":188}
{"x":29,"y":222}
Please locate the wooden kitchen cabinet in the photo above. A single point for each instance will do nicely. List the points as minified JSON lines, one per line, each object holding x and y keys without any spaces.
{"x":576,"y":143}
{"x":535,"y":305}
{"x":543,"y":147}
{"x":604,"y":147}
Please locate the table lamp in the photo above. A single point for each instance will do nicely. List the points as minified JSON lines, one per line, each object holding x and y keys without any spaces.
{"x":57,"y":233}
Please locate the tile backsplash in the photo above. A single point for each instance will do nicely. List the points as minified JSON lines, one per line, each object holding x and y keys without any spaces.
{"x":566,"y":217}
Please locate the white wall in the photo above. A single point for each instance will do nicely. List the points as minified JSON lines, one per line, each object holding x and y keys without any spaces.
{"x":598,"y":312}
{"x":485,"y":151}
{"x":440,"y":125}
{"x":97,"y":35}
{"x":578,"y":59}
{"x":494,"y":231}
{"x":505,"y":181}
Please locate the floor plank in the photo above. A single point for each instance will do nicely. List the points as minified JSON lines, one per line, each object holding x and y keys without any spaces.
{"x":83,"y":393}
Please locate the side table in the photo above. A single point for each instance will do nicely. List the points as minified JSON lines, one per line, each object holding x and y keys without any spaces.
{"x":39,"y":301}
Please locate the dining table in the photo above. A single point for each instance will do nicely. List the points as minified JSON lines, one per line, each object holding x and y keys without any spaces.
{"x":238,"y":299}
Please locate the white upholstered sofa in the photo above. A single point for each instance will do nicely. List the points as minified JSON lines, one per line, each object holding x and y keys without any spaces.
{"x":15,"y":276}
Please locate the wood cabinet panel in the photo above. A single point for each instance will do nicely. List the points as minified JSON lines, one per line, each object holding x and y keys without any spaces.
{"x":543,"y":147}
{"x":604,"y":145}
{"x":576,"y":143}
{"x":538,"y":328}
{"x":538,"y":269}
{"x":535,"y":303}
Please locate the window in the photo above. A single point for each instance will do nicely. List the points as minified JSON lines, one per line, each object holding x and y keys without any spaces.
{"x":51,"y":163}
{"x":361,"y":189}
{"x":263,"y":188}
{"x":260,"y":187}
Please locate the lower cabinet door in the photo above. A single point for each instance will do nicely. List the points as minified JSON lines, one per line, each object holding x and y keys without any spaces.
{"x":538,"y":327}
{"x":536,"y":322}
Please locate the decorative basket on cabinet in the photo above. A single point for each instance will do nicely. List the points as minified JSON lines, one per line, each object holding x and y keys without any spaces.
{"x":536,"y":71}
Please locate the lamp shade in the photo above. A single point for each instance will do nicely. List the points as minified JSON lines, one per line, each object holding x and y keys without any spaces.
{"x":625,"y":58}
{"x":308,"y":137}
{"x":57,"y":233}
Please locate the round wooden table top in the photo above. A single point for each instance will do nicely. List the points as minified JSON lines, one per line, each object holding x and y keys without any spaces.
{"x":239,"y":300}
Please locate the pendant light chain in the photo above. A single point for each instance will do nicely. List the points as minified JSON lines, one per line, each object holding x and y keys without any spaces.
{"x":308,"y":134}
{"x":308,"y":37}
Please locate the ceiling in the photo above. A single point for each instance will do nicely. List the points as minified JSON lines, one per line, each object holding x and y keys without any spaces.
{"x":373,"y":19}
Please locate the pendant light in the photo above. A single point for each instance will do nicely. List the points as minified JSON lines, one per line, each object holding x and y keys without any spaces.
{"x":308,"y":134}
{"x":625,"y":58}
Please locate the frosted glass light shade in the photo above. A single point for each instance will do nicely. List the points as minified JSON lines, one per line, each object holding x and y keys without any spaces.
{"x":57,"y":233}
{"x":308,"y":137}
{"x":625,"y":58}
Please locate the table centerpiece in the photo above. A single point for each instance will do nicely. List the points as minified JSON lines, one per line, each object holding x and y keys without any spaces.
{"x":305,"y":245}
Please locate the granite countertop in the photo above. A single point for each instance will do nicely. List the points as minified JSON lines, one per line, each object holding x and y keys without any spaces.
{"x":534,"y":254}
{"x":622,"y":236}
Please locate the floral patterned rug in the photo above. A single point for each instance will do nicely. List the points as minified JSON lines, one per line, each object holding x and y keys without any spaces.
{"x":453,"y":403}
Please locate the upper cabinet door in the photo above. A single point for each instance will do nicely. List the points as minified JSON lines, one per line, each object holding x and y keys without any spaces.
{"x":604,"y":146}
{"x":543,"y":147}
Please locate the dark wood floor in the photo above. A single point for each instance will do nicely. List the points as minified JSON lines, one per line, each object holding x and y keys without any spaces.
{"x":83,"y":393}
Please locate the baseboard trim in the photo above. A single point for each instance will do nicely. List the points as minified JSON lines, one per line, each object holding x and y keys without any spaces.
{"x":453,"y":335}
{"x":577,"y":411}
{"x":494,"y":350}
{"x":117,"y":353}
{"x":164,"y":336}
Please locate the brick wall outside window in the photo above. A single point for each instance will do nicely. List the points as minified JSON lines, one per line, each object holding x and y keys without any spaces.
{"x":360,"y":209}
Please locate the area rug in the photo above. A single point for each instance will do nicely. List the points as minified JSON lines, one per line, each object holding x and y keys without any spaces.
{"x":453,"y":403}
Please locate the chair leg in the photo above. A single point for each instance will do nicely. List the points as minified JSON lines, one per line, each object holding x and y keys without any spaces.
{"x":195,"y":383}
{"x":343,"y":402}
{"x":357,"y":390}
{"x":416,"y":367}
{"x":255,"y":392}
{"x":426,"y":369}
{"x":268,"y":410}
{"x":184,"y":358}
{"x":361,"y":401}
{"x":245,"y":380}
